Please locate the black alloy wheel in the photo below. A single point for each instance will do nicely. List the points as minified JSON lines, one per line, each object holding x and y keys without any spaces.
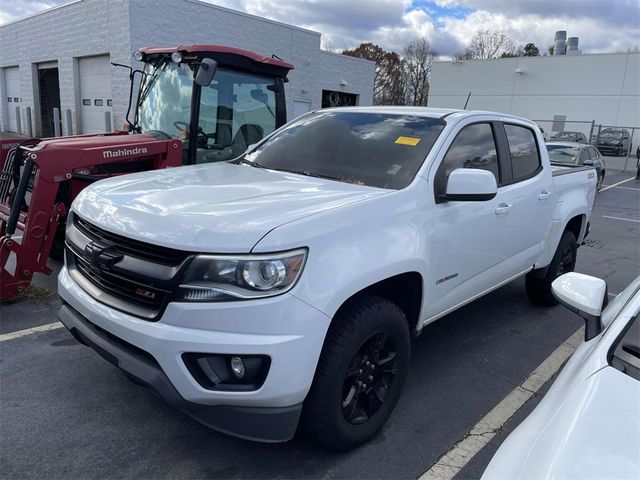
{"x":360,"y":373}
{"x":369,"y":378}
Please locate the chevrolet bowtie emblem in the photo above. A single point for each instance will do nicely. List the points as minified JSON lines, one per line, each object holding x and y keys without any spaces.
{"x":102,"y":255}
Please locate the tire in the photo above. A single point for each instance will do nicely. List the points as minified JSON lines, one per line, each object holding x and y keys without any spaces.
{"x":600,"y":182}
{"x":564,"y":261}
{"x":338,"y":413}
{"x":57,"y":247}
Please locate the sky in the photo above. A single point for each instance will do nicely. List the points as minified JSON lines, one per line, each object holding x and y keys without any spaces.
{"x":602,"y":25}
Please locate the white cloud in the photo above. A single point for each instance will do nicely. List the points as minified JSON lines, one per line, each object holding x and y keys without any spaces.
{"x":602,"y":25}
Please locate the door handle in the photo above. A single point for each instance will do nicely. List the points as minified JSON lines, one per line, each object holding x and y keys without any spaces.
{"x":544,"y":195}
{"x":503,"y":208}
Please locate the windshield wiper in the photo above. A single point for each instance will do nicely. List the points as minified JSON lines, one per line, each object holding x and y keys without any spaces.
{"x":249,"y":162}
{"x":307,"y":173}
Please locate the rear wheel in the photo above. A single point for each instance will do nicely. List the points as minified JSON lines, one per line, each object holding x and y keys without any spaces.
{"x":360,"y":374}
{"x":600,"y":182}
{"x":564,"y":261}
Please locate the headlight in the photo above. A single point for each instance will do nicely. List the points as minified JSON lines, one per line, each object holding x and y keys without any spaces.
{"x":213,"y":278}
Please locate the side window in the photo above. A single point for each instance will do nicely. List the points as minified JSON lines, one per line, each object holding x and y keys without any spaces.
{"x":525,"y":158}
{"x":593,"y":153}
{"x":584,"y":155}
{"x":473,"y":147}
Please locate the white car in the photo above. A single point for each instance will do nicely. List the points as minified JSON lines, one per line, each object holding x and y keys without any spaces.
{"x":287,"y":284}
{"x":588,"y":423}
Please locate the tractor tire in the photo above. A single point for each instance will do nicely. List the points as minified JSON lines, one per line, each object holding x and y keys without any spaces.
{"x":360,"y":374}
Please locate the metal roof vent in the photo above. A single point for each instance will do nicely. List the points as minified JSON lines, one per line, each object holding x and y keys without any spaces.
{"x":572,"y":46}
{"x":560,"y":43}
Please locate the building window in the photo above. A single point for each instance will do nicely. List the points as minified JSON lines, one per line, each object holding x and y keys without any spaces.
{"x":86,"y":102}
{"x":331,"y":98}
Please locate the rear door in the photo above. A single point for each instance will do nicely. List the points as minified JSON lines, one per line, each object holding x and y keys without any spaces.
{"x":529,"y":192}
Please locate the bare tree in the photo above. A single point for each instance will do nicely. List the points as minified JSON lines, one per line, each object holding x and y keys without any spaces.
{"x":326,"y":44}
{"x":465,"y":54}
{"x":488,"y":44}
{"x":418,"y":58}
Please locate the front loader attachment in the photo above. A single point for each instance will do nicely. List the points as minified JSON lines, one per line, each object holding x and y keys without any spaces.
{"x":40,"y":179}
{"x":29,"y":218}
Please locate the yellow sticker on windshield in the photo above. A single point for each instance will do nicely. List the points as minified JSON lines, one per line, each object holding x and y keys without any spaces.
{"x":407,"y":141}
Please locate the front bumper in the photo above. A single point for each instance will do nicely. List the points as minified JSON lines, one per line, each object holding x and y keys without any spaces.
{"x":283,"y":328}
{"x":609,"y":148}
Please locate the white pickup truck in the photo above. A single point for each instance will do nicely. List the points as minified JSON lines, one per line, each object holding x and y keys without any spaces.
{"x":284,"y":287}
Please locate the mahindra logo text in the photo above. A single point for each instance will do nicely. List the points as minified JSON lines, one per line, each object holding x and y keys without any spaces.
{"x":124,"y":152}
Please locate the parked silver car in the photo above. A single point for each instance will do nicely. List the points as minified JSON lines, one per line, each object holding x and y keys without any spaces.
{"x":577,"y":155}
{"x":566,"y":136}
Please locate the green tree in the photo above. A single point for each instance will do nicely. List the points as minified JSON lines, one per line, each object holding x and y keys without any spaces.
{"x":530,"y":50}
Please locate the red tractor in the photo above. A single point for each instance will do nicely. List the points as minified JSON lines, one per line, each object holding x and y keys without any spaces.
{"x":195,"y":104}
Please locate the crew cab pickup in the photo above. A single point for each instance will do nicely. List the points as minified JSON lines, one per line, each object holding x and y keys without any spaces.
{"x":283,"y":287}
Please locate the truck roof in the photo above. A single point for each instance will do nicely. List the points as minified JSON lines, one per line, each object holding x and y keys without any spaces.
{"x":428,"y":112}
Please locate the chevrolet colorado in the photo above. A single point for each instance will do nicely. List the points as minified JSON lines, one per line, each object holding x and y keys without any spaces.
{"x":283,"y":287}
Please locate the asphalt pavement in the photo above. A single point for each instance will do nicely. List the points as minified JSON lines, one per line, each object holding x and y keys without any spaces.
{"x":66,"y":413}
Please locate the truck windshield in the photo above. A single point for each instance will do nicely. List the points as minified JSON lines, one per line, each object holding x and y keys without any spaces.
{"x":236,"y":110}
{"x":364,"y":148}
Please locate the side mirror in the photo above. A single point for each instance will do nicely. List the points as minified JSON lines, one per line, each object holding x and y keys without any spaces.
{"x":585,"y":295}
{"x":206,"y":71}
{"x":471,"y":185}
{"x":588,"y":163}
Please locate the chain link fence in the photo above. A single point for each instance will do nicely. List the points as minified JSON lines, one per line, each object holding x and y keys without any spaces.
{"x":619,"y":143}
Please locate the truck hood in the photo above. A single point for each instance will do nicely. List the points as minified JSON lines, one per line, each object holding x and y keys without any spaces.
{"x":215,"y":208}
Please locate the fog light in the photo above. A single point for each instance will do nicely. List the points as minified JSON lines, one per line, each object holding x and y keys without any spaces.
{"x":237,"y":367}
{"x":176,"y":57}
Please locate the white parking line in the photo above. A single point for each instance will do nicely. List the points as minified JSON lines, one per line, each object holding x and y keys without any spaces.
{"x":30,"y":331}
{"x":629,"y":188}
{"x":620,"y":218}
{"x":462,"y":452}
{"x":616,"y":184}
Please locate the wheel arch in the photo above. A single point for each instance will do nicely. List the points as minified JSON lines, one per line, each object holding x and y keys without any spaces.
{"x":577,"y":224}
{"x":403,"y":289}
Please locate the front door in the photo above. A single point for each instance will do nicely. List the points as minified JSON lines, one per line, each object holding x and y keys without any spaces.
{"x":473,"y":242}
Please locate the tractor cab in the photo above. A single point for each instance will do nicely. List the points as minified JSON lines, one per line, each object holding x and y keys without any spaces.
{"x":194,"y":104}
{"x":217,"y":100}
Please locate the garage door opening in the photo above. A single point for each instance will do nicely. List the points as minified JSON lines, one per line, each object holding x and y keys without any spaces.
{"x":49,"y":88}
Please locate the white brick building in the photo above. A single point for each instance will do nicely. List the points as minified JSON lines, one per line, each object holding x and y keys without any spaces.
{"x":68,"y":49}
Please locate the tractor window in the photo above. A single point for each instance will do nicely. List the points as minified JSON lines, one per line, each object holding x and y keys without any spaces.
{"x":236,"y":110}
{"x":165,"y":99}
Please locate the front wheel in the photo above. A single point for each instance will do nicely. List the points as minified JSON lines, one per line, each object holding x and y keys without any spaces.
{"x":600,"y":182}
{"x":360,"y":374}
{"x":564,"y":261}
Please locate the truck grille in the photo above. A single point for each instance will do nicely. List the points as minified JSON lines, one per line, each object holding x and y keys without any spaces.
{"x":131,"y":276}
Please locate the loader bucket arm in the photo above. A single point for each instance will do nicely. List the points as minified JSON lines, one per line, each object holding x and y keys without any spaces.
{"x":31,"y":207}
